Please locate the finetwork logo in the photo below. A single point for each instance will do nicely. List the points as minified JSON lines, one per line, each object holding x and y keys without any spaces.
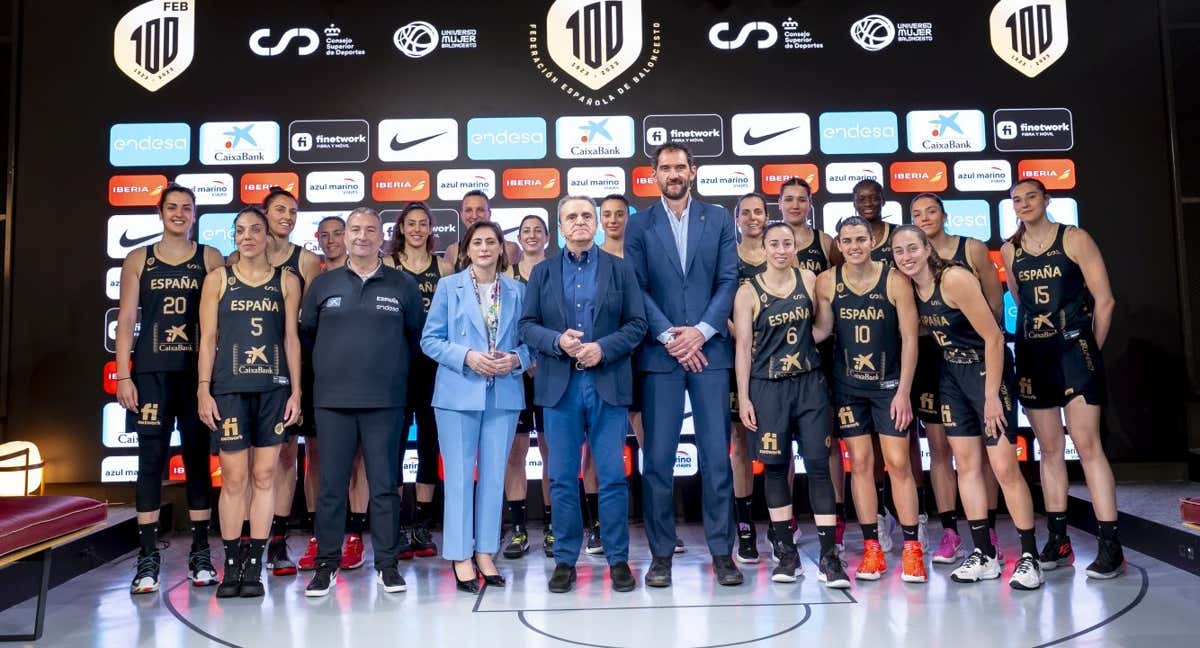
{"x":419,"y":38}
{"x":591,"y":137}
{"x":982,"y":175}
{"x":1029,"y":35}
{"x":595,"y":182}
{"x":133,"y":145}
{"x":771,"y":134}
{"x":506,"y":138}
{"x":210,"y":188}
{"x":724,"y":179}
{"x":969,"y":218}
{"x":453,"y":184}
{"x":840,"y":177}
{"x":329,"y":141}
{"x":703,"y":134}
{"x":941,"y":131}
{"x":129,"y":231}
{"x":418,"y":140}
{"x":1060,"y":210}
{"x":1033,"y":129}
{"x":857,"y":133}
{"x":155,"y":41}
{"x":335,"y":186}
{"x":113,"y":430}
{"x":239,"y":143}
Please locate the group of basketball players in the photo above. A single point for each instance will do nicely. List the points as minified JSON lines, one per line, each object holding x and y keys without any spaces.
{"x":861,"y":338}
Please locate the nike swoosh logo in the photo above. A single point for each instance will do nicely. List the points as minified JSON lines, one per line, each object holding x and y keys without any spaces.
{"x":125,"y":241}
{"x":397,"y":145}
{"x":751,"y":140}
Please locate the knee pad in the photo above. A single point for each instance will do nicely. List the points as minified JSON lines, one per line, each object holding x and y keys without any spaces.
{"x":152,"y":458}
{"x":775,"y":485}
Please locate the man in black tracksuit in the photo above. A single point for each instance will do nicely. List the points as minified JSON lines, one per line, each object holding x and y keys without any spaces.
{"x":364,"y":322}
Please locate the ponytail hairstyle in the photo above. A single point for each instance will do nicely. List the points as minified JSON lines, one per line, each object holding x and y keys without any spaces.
{"x":937,"y":265}
{"x":397,"y":246}
{"x":1018,"y":235}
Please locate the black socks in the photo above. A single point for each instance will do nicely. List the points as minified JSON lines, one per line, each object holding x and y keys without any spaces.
{"x":981,"y":537}
{"x":741,"y":507}
{"x":516,"y":512}
{"x":148,"y":538}
{"x":199,"y":534}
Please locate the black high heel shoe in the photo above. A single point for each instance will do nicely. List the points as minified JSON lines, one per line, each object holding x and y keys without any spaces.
{"x":495,"y":580}
{"x":470,"y":585}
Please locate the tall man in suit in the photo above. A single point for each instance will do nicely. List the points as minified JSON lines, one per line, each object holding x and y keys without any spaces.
{"x":584,"y":316}
{"x":685,"y":255}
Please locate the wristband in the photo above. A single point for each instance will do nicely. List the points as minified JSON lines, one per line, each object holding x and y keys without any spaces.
{"x":125,"y":378}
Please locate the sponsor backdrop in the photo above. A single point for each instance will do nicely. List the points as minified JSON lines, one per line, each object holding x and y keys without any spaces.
{"x":349,"y":103}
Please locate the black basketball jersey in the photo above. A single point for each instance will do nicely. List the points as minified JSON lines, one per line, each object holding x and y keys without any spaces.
{"x":812,"y":257}
{"x":883,"y":251}
{"x":783,"y":344}
{"x":293,"y":263}
{"x":747,"y":270}
{"x":960,"y":254}
{"x":1054,"y":300}
{"x":250,"y":334}
{"x":867,"y":334}
{"x":950,"y":327}
{"x":169,"y":297}
{"x":516,"y":271}
{"x":426,"y":279}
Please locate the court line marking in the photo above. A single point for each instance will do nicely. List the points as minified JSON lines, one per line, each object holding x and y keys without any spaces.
{"x":1136,"y":600}
{"x":193,"y":627}
{"x":807,"y":615}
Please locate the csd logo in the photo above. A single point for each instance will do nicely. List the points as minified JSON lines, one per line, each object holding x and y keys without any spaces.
{"x":717,"y":35}
{"x":310,"y":41}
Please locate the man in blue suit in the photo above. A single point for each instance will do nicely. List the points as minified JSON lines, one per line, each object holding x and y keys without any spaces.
{"x":584,"y":316}
{"x":685,"y":255}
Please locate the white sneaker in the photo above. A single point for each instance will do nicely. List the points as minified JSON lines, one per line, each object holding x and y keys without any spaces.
{"x":1028,"y":573}
{"x":887,"y":528}
{"x":975,"y":568}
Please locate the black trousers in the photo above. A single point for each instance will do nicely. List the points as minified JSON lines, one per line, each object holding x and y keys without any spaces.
{"x":378,"y":431}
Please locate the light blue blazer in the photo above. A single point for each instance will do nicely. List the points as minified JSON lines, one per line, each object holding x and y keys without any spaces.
{"x":454,"y":326}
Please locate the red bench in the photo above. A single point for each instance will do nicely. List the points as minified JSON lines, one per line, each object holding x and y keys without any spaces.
{"x":30,"y":529}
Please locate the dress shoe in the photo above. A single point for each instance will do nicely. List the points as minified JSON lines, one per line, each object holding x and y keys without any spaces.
{"x":659,"y":574}
{"x":471,"y":585}
{"x":726,"y":571}
{"x":622,"y":577}
{"x":495,"y":580}
{"x":562,"y":578}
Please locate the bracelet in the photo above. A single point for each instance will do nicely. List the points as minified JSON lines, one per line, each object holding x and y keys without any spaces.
{"x":200,"y":382}
{"x":125,"y":378}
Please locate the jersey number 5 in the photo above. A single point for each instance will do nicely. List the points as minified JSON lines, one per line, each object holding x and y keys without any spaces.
{"x":256,"y":326}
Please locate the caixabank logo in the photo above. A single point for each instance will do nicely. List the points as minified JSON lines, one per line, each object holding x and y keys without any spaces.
{"x":154,"y":42}
{"x":595,"y":50}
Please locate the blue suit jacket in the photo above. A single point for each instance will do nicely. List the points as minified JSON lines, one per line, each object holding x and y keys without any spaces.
{"x":618,"y":327}
{"x":454,"y":326}
{"x":703,"y":292}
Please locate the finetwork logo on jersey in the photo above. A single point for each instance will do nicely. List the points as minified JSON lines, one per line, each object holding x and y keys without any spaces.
{"x":982,"y":175}
{"x":210,"y":188}
{"x":506,"y":138}
{"x":1060,"y":210}
{"x":131,"y":145}
{"x":1033,"y":129}
{"x":840,"y":177}
{"x":419,"y":38}
{"x":704,"y":135}
{"x":595,"y":43}
{"x":304,"y":41}
{"x":155,"y":41}
{"x":453,"y":184}
{"x":969,"y":218}
{"x":239,"y":143}
{"x":724,"y":179}
{"x":856,"y":133}
{"x":942,"y":131}
{"x":771,"y":134}
{"x":591,"y":137}
{"x":329,"y":141}
{"x":418,"y":140}
{"x":876,"y":31}
{"x":335,"y":186}
{"x":1029,"y":35}
{"x":595,"y":182}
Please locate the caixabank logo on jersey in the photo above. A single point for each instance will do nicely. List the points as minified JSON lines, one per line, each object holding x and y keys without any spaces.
{"x":595,"y":50}
{"x":154,"y":42}
{"x":1029,"y":35}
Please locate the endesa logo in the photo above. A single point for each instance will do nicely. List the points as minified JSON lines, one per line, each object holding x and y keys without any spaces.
{"x":129,"y":231}
{"x":149,"y":145}
{"x":453,"y":184}
{"x":506,"y":138}
{"x":595,"y":182}
{"x":1060,"y":210}
{"x":399,"y":186}
{"x":644,"y":184}
{"x":840,"y":177}
{"x":329,"y":141}
{"x":939,"y":131}
{"x":969,"y":218}
{"x":210,"y":188}
{"x":256,"y":186}
{"x":418,"y":140}
{"x":335,"y":186}
{"x":1055,"y":174}
{"x":518,"y":184}
{"x":724,"y":179}
{"x":856,"y":133}
{"x":135,"y":190}
{"x":1010,"y":313}
{"x":771,"y":134}
{"x":916,"y":177}
{"x":216,"y":229}
{"x":982,"y":175}
{"x":774,"y":175}
{"x":594,"y":137}
{"x":239,"y":143}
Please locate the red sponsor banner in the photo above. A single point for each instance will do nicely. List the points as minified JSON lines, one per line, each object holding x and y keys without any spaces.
{"x":774,"y":175}
{"x":627,"y":458}
{"x":1055,"y":174}
{"x":400,"y":186}
{"x":256,"y":186}
{"x":644,"y":185}
{"x":110,"y":376}
{"x":530,"y":184}
{"x":135,"y":190}
{"x":1022,"y":448}
{"x":917,"y":177}
{"x":176,"y":471}
{"x":998,"y":263}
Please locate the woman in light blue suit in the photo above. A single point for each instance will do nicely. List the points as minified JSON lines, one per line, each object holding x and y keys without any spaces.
{"x":471,"y":331}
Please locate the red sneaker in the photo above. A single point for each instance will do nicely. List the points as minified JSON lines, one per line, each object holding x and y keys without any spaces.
{"x":352,"y":552}
{"x":308,"y":561}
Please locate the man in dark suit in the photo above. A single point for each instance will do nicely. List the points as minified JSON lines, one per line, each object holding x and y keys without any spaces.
{"x":584,"y":316}
{"x":685,"y":255}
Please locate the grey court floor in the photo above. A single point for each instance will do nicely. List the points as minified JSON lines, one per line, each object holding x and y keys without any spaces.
{"x":1153,"y":605}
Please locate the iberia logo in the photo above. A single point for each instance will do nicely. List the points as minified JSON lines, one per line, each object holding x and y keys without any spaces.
{"x":518,"y":184}
{"x":1055,"y":174}
{"x":998,"y":263}
{"x":135,"y":190}
{"x":644,"y":184}
{"x":400,"y":186}
{"x":256,"y":186}
{"x":110,"y":376}
{"x":916,"y":177}
{"x":774,"y":175}
{"x":176,"y":471}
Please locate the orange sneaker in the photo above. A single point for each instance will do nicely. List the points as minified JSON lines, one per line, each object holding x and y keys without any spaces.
{"x":308,"y":561}
{"x":914,"y":563}
{"x":873,"y":564}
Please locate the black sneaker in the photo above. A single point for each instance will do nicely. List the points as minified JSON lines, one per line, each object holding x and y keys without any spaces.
{"x":391,"y":580}
{"x":832,"y":571}
{"x":747,"y":544}
{"x":405,"y":544}
{"x":548,"y":542}
{"x":422,"y":541}
{"x":679,"y":548}
{"x":231,"y":584}
{"x":145,"y":576}
{"x":252,"y":577}
{"x":1109,"y":562}
{"x":200,"y":567}
{"x":518,"y":545}
{"x":594,"y":545}
{"x":789,"y":566}
{"x":323,"y":580}
{"x":1057,"y":553}
{"x":278,"y":560}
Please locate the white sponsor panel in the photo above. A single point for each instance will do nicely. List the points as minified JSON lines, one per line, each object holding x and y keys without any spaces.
{"x":533,"y":464}
{"x":594,"y":136}
{"x":833,"y":212}
{"x":334,"y":186}
{"x":210,"y":188}
{"x":112,"y":283}
{"x":254,"y":142}
{"x":982,"y":175}
{"x":408,"y":465}
{"x":113,"y":429}
{"x":453,"y":184}
{"x":596,"y":182}
{"x":840,"y":177}
{"x":123,"y":468}
{"x":509,"y":219}
{"x":724,"y":179}
{"x":771,"y":134}
{"x":687,"y":459}
{"x":129,"y":231}
{"x":1029,"y":35}
{"x":1060,"y":210}
{"x":952,"y":130}
{"x":305,"y":231}
{"x":612,"y":41}
{"x":418,"y":140}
